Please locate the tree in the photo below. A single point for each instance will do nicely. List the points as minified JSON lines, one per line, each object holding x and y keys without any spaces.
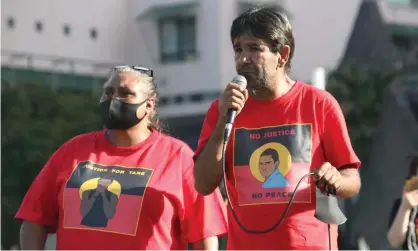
{"x":36,"y":120}
{"x":359,"y":90}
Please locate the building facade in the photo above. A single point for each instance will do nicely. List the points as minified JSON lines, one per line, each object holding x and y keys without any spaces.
{"x":186,"y":42}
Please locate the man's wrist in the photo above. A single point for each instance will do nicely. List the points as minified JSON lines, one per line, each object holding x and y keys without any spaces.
{"x":220,"y":128}
{"x":221,"y":121}
{"x":350,"y":182}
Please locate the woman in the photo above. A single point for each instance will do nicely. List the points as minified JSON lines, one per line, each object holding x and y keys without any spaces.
{"x":403,"y":224}
{"x":126,"y":187}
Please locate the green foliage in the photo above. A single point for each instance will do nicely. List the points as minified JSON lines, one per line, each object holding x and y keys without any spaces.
{"x":359,"y":90}
{"x":36,"y":120}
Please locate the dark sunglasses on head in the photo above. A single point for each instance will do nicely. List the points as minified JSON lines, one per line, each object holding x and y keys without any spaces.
{"x":144,"y":70}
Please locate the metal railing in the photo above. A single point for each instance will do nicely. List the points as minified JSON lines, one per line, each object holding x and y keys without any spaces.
{"x":75,"y":74}
{"x":34,"y":61}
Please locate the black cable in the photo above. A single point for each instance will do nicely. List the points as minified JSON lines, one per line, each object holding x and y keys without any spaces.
{"x":233,"y":211}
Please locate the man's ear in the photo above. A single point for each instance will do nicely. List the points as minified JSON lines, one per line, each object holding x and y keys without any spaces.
{"x":284,"y":56}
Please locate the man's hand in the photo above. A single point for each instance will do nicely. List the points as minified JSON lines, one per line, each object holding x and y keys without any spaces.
{"x":328,"y":178}
{"x":101,"y":189}
{"x":232,"y":98}
{"x":103,"y":184}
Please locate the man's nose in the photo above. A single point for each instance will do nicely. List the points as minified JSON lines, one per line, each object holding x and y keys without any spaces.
{"x":244,"y":58}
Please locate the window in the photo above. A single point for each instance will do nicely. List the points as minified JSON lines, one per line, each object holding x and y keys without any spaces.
{"x":66,"y":29}
{"x":39,"y":26}
{"x":93,"y":33}
{"x":177,"y":38}
{"x":404,"y":3}
{"x":11,"y":22}
{"x":399,"y":2}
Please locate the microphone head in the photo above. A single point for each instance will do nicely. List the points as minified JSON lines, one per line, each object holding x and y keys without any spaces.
{"x":241,"y":80}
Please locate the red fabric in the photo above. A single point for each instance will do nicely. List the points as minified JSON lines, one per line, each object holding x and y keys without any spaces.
{"x":152,"y":184}
{"x":306,"y":128}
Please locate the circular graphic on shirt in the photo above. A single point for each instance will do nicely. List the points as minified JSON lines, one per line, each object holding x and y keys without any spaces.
{"x":270,"y":160}
{"x":100,"y":183}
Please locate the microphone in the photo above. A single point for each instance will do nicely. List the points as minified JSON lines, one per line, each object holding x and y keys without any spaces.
{"x":230,"y":117}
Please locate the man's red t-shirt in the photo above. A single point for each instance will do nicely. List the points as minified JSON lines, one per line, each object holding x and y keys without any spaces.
{"x":96,"y":195}
{"x":272,"y":145}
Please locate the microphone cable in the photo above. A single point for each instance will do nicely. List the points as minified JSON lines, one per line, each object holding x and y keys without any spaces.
{"x":253,"y":231}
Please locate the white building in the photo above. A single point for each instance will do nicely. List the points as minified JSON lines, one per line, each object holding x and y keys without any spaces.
{"x":186,"y":42}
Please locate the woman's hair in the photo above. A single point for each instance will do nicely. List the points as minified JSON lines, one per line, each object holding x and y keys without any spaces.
{"x":150,"y":92}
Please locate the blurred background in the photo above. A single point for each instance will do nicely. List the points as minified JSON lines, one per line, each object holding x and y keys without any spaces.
{"x":55,"y":55}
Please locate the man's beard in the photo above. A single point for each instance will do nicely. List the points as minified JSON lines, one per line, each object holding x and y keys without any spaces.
{"x":256,"y":77}
{"x":256,"y":81}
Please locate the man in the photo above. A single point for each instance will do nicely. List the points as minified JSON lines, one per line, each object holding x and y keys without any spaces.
{"x":268,"y":166}
{"x":304,"y":124}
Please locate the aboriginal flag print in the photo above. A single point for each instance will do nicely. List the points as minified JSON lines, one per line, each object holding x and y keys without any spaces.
{"x":105,"y":198}
{"x":269,"y":162}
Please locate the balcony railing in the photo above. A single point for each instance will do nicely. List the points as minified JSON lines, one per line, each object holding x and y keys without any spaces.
{"x":16,"y":59}
{"x":74,"y":74}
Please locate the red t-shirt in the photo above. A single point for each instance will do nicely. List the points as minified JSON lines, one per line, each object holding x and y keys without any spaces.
{"x":100,"y":196}
{"x":272,"y":145}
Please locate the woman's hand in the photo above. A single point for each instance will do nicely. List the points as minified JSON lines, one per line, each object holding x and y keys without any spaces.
{"x":410,"y":196}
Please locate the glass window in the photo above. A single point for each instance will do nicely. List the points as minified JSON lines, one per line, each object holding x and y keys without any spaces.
{"x":169,"y":37}
{"x":39,"y":26}
{"x":66,"y":29}
{"x":10,"y":22}
{"x":177,"y":39}
{"x":93,"y":33}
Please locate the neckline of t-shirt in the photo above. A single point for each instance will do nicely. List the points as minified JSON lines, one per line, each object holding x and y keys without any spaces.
{"x":108,"y":145}
{"x":286,"y":97}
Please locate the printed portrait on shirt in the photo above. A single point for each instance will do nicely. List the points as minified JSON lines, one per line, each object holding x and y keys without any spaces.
{"x":105,"y":198}
{"x":269,"y":162}
{"x":99,"y":197}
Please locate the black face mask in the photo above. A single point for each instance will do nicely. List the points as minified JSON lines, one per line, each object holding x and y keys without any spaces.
{"x":119,"y":115}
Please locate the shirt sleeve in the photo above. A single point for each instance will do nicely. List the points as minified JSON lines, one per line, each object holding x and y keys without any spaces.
{"x":336,"y":141}
{"x":40,"y":204}
{"x":209,"y":125}
{"x":204,"y":216}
